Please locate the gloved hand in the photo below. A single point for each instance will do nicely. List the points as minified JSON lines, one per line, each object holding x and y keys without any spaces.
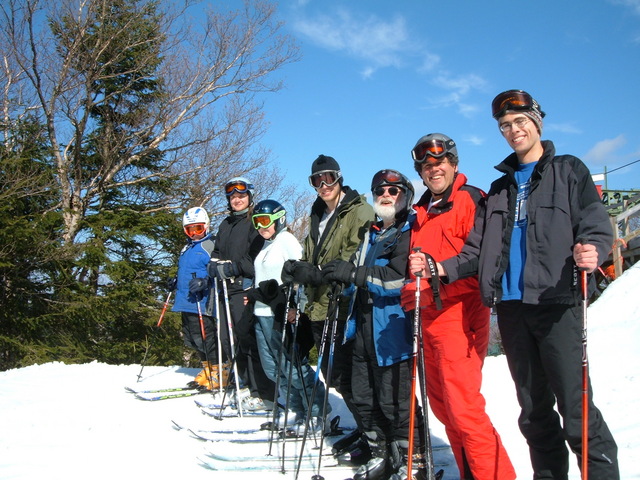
{"x":223,"y":269}
{"x":338,"y":271}
{"x":287,"y":271}
{"x":302,"y":272}
{"x":198,"y":285}
{"x":171,"y":284}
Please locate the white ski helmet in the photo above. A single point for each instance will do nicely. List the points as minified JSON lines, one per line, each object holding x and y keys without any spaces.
{"x":196,"y":215}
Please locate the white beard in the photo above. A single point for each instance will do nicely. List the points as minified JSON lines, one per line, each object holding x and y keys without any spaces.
{"x":387,"y":212}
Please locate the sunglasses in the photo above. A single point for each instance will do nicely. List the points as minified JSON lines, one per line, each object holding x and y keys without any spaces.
{"x":434,"y":148}
{"x":265,"y":220}
{"x":517,"y":100}
{"x":194,"y":229}
{"x":393,"y":191}
{"x":240,"y":187}
{"x":328,"y":177}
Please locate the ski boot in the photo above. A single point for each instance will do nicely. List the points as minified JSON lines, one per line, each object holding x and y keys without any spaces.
{"x":379,"y":466}
{"x":210,"y":378}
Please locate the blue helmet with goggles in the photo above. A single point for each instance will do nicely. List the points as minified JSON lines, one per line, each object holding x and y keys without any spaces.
{"x":268,"y":212}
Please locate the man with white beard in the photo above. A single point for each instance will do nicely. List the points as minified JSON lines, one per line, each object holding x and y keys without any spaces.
{"x":381,"y":331}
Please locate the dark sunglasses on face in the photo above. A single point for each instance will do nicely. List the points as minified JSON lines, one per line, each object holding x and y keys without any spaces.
{"x":393,"y":191}
{"x":328,"y":177}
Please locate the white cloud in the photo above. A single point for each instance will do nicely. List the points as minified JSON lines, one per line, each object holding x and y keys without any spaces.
{"x":378,"y":42}
{"x":562,"y":127}
{"x":632,"y":4}
{"x":604,"y":151}
{"x":474,"y":140}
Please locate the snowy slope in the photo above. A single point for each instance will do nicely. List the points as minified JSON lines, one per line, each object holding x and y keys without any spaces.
{"x":76,"y":421}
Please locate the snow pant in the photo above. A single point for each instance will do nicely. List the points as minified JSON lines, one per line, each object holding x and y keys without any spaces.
{"x":455,"y":340}
{"x":270,"y":347}
{"x":543,"y":344}
{"x":192,"y":336}
{"x":382,"y":395}
{"x":248,"y":361}
{"x":341,"y":370}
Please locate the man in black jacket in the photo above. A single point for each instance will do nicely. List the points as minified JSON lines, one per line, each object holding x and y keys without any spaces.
{"x":542,"y":222}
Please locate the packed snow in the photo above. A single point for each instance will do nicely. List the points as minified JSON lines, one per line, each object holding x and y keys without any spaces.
{"x":77,"y":421}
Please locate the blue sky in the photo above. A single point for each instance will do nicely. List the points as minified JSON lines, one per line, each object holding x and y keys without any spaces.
{"x":376,"y":75}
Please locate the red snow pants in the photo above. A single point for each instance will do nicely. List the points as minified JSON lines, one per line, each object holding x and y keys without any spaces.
{"x":455,"y":346}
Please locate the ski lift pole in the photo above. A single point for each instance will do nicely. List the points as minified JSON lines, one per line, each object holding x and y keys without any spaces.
{"x":154,"y":335}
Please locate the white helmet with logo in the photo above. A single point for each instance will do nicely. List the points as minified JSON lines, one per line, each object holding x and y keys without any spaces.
{"x":196,"y":215}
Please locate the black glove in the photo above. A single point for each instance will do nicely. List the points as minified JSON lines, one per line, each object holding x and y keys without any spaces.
{"x":171,"y":284}
{"x":198,"y":285}
{"x":222,"y":269}
{"x":287,"y":271}
{"x":338,"y":271}
{"x":304,"y":273}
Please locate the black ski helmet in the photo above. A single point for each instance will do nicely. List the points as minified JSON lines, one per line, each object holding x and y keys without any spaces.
{"x":275,"y":211}
{"x":393,"y":177}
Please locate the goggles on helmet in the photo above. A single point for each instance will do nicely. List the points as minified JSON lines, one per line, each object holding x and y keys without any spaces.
{"x":517,"y":100}
{"x":265,"y":220}
{"x":328,"y":177}
{"x":386,"y":177}
{"x":240,"y":187}
{"x":434,"y":148}
{"x":195,"y":229}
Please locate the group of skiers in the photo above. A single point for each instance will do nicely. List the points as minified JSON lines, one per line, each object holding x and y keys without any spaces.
{"x":254,"y":301}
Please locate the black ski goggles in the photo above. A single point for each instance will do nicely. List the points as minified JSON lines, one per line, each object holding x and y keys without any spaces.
{"x":431,"y":148}
{"x":328,"y":177}
{"x":516,"y":100}
{"x":387,"y":177}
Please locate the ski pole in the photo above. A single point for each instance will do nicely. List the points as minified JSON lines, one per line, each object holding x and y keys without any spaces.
{"x":225,"y":294}
{"x":420,"y":370}
{"x":414,"y":369}
{"x":207,"y":370}
{"x":216,"y":299}
{"x":323,"y":344}
{"x":278,"y":371}
{"x":337,"y":290}
{"x":154,"y":335}
{"x":585,"y":379}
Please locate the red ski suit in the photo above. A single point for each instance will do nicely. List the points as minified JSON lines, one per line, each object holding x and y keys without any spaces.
{"x":456,"y":338}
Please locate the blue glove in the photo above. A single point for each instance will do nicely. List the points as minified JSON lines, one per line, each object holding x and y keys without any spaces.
{"x":223,"y":269}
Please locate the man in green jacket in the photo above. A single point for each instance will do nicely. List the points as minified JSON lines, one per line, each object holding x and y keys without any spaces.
{"x":340,"y":216}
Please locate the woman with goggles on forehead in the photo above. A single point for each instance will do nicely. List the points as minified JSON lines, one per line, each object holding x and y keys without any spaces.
{"x":190,"y":291}
{"x":542,"y":221}
{"x":456,"y":338}
{"x":237,"y":245}
{"x":270,"y":306}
